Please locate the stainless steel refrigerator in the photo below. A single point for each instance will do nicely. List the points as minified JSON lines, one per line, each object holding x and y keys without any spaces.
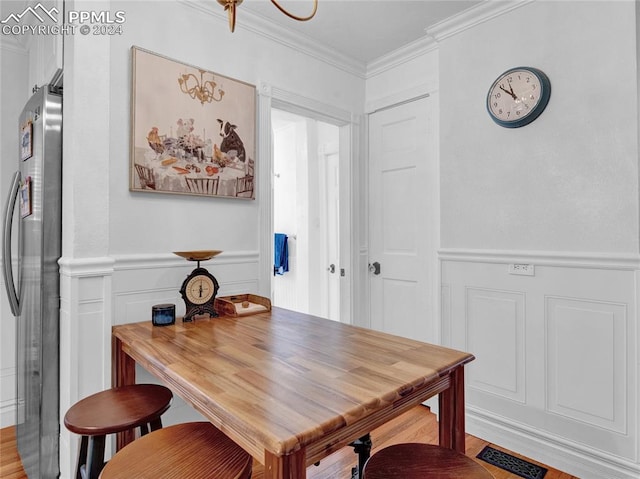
{"x":31,"y":249}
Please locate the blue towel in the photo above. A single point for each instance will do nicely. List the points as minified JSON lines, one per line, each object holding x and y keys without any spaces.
{"x":281,"y":254}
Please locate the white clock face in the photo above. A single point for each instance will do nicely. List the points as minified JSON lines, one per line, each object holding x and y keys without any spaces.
{"x":515,"y":95}
{"x":199,"y":289}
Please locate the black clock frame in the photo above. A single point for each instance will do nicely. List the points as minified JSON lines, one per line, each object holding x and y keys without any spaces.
{"x":193,"y":309}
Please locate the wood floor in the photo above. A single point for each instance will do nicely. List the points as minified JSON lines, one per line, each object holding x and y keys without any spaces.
{"x":417,"y":425}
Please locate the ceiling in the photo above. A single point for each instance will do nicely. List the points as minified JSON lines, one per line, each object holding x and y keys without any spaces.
{"x":360,"y":29}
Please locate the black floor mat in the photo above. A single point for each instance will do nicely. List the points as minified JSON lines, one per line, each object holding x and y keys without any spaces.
{"x":511,"y":463}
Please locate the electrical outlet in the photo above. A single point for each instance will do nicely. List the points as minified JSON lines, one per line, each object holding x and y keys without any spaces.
{"x":522,"y":269}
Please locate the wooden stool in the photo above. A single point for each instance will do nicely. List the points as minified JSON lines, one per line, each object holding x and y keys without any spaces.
{"x":112,"y":411}
{"x":418,"y":461}
{"x":193,"y":450}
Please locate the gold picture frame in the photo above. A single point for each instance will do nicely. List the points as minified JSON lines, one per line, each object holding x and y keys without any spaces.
{"x":193,"y":131}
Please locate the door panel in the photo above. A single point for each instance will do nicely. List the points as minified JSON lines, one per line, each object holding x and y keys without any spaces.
{"x":403,"y":220}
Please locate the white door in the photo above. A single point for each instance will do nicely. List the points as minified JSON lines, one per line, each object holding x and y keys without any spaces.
{"x":403,"y":220}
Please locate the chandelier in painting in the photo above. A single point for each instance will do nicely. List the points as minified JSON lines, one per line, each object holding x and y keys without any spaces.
{"x":205,"y":91}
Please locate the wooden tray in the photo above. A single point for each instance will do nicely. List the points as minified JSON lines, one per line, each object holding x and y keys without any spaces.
{"x":235,"y":305}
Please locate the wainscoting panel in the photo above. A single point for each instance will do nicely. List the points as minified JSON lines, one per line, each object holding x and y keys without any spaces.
{"x":7,"y":359}
{"x":7,"y":397}
{"x":586,"y":369}
{"x":556,"y":369}
{"x":495,"y":335}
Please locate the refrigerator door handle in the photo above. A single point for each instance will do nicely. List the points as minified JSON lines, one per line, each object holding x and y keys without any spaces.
{"x":6,"y":245}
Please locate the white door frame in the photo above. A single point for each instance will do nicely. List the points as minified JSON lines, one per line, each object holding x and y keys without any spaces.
{"x":272,"y":97}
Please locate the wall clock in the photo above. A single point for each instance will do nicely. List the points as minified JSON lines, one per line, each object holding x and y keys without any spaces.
{"x":200,"y":287}
{"x":518,"y":96}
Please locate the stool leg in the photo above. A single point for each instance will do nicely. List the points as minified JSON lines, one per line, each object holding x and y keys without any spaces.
{"x":362,"y":447}
{"x":144,"y":430}
{"x":82,"y":456}
{"x":95,"y":461}
{"x":156,"y":424}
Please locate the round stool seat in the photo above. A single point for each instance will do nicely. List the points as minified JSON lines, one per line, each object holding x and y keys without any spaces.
{"x":194,"y":450}
{"x":419,"y":461}
{"x":118,"y":409}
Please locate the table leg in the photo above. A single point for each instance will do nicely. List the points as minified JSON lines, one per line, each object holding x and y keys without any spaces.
{"x":293,"y":466}
{"x":451,"y":405}
{"x":123,"y":373}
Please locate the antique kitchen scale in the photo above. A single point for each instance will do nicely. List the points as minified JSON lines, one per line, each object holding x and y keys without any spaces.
{"x":200,"y":287}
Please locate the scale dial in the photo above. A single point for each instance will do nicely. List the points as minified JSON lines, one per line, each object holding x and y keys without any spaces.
{"x":199,"y":291}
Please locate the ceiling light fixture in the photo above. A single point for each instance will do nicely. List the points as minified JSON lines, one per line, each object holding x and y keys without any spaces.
{"x":230,"y":7}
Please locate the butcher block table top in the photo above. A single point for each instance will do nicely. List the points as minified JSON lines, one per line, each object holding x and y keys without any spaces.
{"x":291,"y":388}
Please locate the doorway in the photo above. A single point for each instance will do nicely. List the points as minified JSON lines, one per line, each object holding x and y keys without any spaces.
{"x":306,"y":208}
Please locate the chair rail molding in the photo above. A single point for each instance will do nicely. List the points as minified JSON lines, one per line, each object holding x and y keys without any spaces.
{"x":78,"y":267}
{"x":617,"y":261}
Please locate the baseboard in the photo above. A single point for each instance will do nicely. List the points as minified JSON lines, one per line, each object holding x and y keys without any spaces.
{"x":557,"y":452}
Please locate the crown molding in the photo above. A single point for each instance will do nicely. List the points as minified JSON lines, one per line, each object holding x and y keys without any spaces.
{"x":401,"y":55}
{"x":294,"y":40}
{"x":483,"y":12}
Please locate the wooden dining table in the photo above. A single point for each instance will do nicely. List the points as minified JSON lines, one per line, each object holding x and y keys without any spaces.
{"x":292,"y":388}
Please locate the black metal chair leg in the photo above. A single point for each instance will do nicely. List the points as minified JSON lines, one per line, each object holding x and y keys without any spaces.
{"x":95,"y":457}
{"x":82,"y":455}
{"x":362,"y":447}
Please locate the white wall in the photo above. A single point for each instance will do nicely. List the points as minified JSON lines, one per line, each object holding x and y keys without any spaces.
{"x":556,"y":370}
{"x":568,"y":181}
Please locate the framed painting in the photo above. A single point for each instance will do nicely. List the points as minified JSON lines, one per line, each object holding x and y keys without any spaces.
{"x":192,"y":131}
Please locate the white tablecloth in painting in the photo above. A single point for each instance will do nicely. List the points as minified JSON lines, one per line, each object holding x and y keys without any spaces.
{"x":170,"y":176}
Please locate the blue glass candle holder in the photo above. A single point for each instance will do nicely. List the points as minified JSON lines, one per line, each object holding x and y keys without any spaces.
{"x":163,"y":314}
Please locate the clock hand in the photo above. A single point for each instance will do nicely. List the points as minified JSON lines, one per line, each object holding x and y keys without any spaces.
{"x":200,"y":290}
{"x":513,"y":95}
